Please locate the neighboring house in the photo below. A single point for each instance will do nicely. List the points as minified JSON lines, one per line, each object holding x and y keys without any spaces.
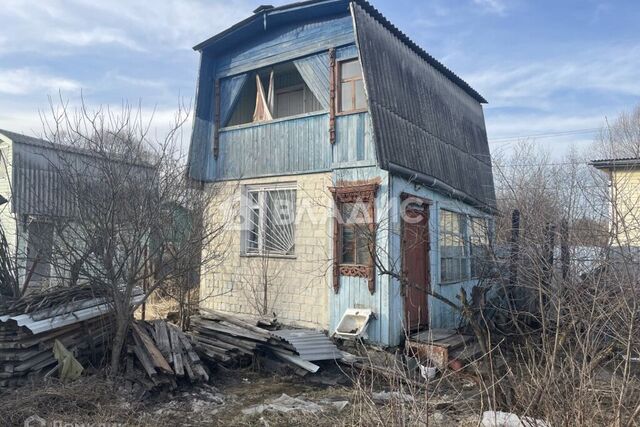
{"x":38,"y":201}
{"x":320,"y":108}
{"x":624,"y":198}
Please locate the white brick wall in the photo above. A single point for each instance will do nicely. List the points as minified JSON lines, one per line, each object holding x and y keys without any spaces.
{"x":299,"y":286}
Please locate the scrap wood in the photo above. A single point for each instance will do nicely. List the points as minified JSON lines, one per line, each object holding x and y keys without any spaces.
{"x":144,"y":340}
{"x":147,"y":342}
{"x":308,"y":366}
{"x":235,"y":321}
{"x":176,"y":351}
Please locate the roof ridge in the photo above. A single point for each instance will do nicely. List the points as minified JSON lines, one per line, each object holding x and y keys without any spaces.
{"x":375,"y":14}
{"x":369,"y":8}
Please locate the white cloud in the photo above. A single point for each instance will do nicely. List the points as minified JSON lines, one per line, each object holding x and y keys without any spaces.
{"x":95,"y":36}
{"x":533,"y":84}
{"x":64,"y":26}
{"x":22,"y":81}
{"x":494,"y":6}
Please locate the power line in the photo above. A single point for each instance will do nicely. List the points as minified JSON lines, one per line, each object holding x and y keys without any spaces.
{"x":546,"y":134}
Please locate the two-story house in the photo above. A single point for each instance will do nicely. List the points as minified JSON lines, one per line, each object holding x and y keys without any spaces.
{"x":313,"y":119}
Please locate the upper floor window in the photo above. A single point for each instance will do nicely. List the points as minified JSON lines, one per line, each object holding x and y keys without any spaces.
{"x":351,"y":92}
{"x":269,"y":220}
{"x":272,"y":93}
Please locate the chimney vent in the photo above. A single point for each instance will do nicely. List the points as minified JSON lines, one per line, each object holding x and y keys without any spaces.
{"x":262,"y":8}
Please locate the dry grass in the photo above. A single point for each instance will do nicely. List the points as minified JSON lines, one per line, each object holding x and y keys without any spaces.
{"x":91,"y":399}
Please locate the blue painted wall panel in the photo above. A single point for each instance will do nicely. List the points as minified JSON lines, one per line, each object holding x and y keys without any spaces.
{"x":277,"y":147}
{"x":287,"y":43}
{"x":354,"y":292}
{"x":354,"y":140}
{"x":440,"y":315}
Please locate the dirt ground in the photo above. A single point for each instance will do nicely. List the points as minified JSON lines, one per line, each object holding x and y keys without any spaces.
{"x":244,"y":397}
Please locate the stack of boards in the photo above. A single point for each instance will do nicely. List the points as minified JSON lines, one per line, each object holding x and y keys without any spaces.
{"x":159,"y":354}
{"x":223,"y":338}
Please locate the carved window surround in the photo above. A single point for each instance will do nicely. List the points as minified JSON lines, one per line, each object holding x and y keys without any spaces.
{"x":354,"y":192}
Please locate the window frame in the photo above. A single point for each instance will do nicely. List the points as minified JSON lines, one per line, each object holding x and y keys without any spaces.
{"x":352,"y":81}
{"x":356,"y":193}
{"x":466,"y":237}
{"x":245,"y":209}
{"x":463,"y":260}
{"x":485,"y":225}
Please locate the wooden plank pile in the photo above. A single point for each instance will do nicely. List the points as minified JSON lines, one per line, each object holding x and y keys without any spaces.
{"x":159,"y":354}
{"x":25,"y":355}
{"x":226,"y":339}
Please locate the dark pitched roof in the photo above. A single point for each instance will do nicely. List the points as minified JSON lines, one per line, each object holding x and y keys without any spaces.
{"x":421,"y":121}
{"x":622,"y":162}
{"x":245,"y":28}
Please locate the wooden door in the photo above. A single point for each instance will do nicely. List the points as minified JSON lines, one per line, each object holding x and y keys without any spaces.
{"x":416,"y":265}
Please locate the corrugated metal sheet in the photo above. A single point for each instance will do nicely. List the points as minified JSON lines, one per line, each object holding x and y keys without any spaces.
{"x":76,"y":315}
{"x":423,"y":119}
{"x":310,"y":345}
{"x":39,"y":187}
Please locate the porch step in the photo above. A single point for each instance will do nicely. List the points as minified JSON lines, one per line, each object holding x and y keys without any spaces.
{"x":441,"y":346}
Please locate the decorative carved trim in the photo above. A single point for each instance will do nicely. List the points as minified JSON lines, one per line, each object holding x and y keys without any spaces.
{"x":333,"y":75}
{"x":216,"y":122}
{"x":364,"y":192}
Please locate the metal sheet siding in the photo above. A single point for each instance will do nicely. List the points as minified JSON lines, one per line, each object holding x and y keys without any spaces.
{"x":38,"y":186}
{"x":422,"y":120}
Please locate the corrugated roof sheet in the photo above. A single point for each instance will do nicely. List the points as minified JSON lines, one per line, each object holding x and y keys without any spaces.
{"x":309,"y":344}
{"x":79,"y":312}
{"x":421,"y":120}
{"x":616,"y":162}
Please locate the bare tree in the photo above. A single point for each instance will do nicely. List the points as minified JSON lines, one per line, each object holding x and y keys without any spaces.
{"x":124,"y":192}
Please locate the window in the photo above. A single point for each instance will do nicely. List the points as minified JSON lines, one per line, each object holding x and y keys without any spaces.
{"x":454,"y":254}
{"x":354,"y":233}
{"x":269,"y":220}
{"x":464,"y":246}
{"x":352,"y":96}
{"x":280,"y":90}
{"x":478,"y":245}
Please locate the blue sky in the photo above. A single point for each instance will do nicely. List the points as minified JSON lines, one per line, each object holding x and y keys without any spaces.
{"x":546,"y":67}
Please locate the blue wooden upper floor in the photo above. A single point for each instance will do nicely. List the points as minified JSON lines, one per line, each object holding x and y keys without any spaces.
{"x":329,"y":84}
